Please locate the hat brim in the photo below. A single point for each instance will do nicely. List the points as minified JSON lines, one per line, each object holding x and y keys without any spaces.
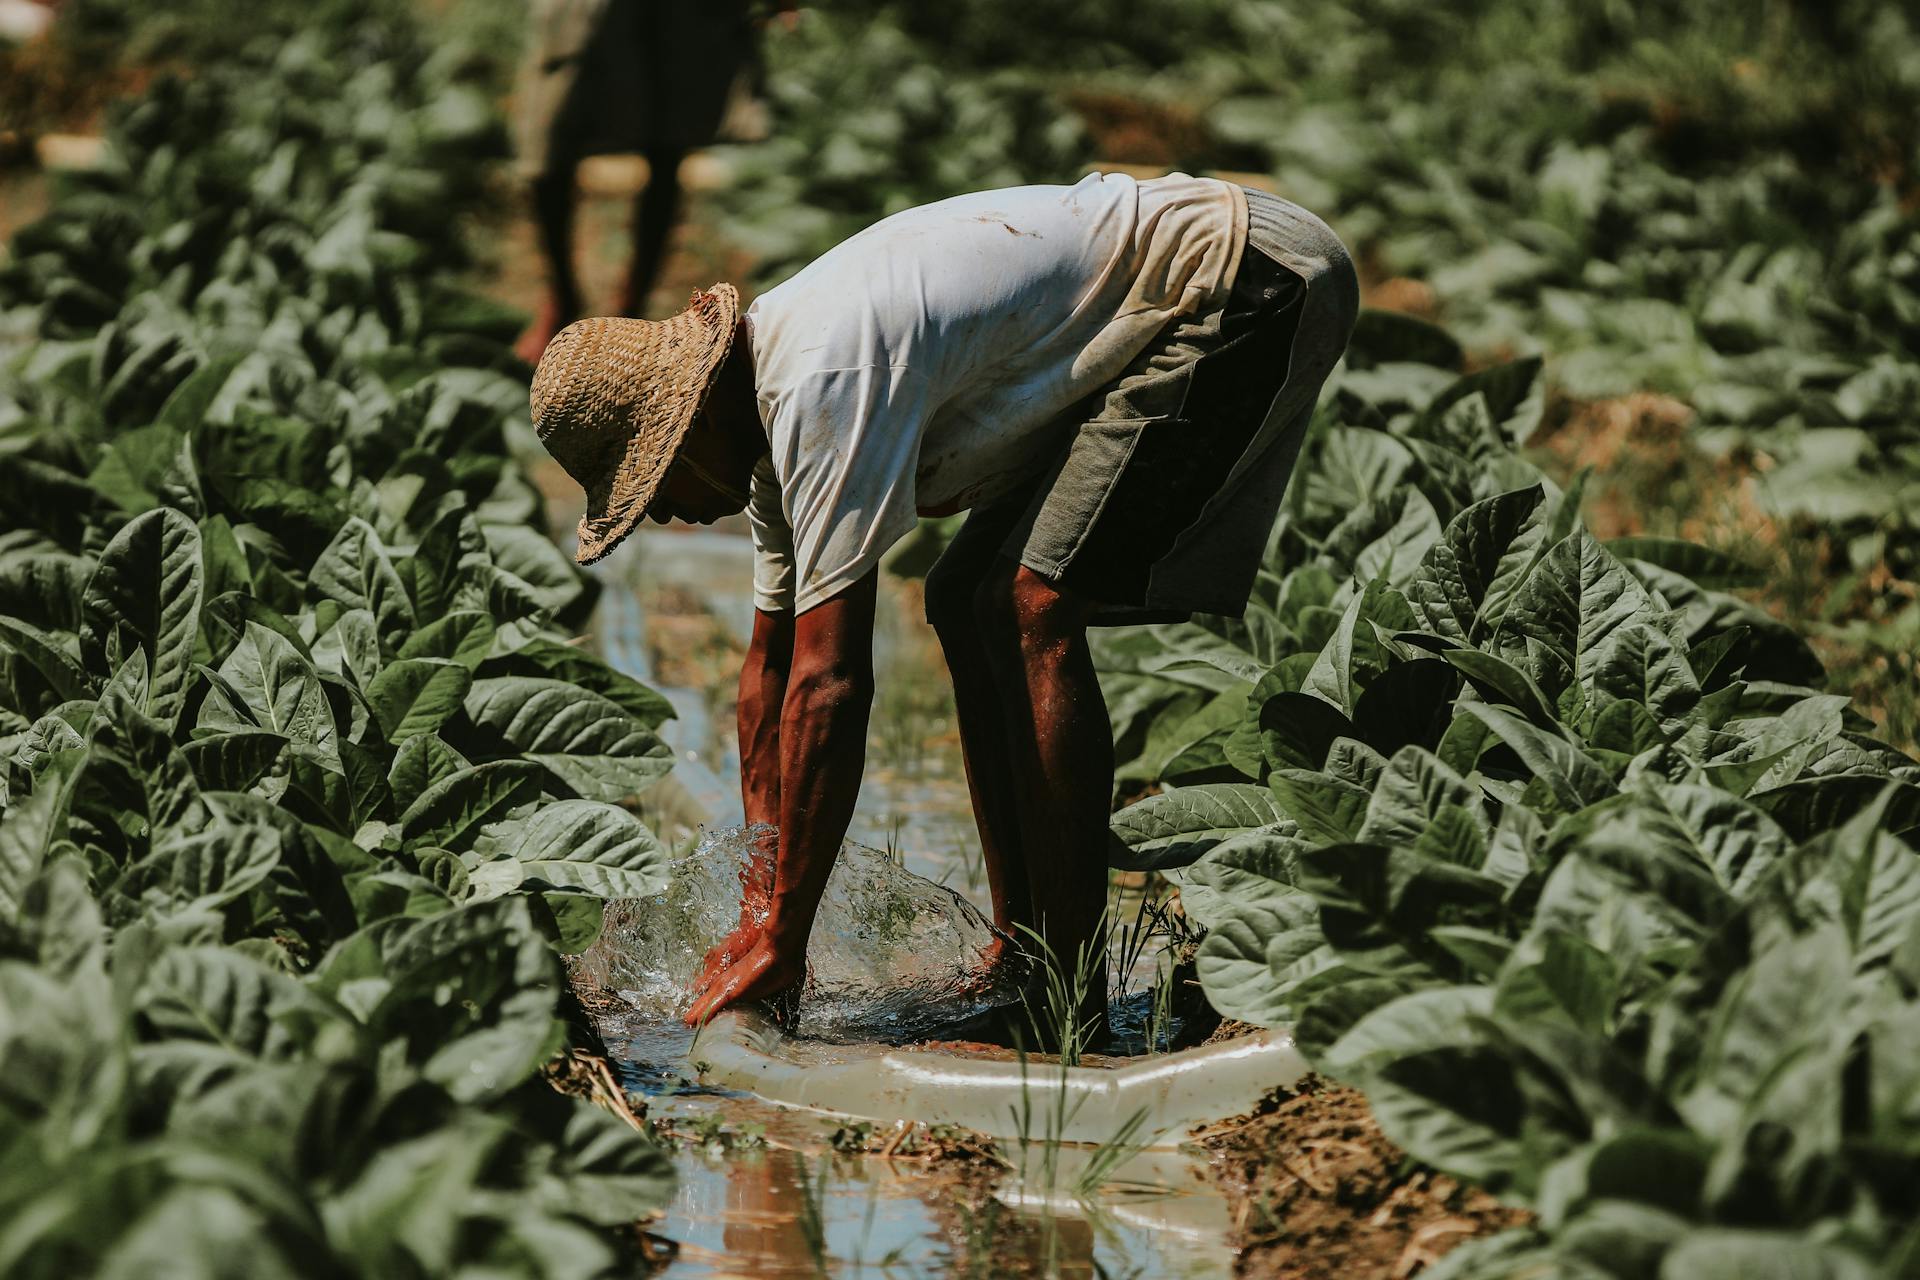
{"x":618,"y":499}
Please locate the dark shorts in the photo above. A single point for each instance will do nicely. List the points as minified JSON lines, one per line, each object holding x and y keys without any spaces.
{"x":1162,"y":502}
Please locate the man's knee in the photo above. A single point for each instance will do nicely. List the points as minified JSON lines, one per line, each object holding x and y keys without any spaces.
{"x":1042,"y":614}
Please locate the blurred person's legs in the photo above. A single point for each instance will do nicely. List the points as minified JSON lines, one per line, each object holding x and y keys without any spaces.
{"x":553,"y":211}
{"x":654,"y":211}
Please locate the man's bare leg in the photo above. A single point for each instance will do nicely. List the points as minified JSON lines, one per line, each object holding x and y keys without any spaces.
{"x":1060,"y":745}
{"x":953,"y":590}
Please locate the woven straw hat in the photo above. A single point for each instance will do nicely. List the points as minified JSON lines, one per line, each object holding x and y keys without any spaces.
{"x":613,"y":400}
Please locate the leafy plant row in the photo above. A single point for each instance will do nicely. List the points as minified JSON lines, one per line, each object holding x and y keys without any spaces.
{"x":303,"y":782}
{"x":1553,"y":847}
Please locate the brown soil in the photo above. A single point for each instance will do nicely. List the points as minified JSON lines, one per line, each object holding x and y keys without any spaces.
{"x":1318,"y":1191}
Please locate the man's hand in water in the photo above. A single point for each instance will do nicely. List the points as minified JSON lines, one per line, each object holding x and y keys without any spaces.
{"x":765,"y":971}
{"x":722,"y":955}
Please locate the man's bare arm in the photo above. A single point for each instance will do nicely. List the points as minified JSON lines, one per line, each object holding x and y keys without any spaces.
{"x":763,"y":691}
{"x":823,"y":751}
{"x":821,"y":748}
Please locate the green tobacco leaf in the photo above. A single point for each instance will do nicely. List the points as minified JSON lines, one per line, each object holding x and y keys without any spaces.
{"x":1720,"y":1254}
{"x":1570,"y":776}
{"x":1405,"y":704}
{"x":586,"y":741}
{"x":1435,"y":1091}
{"x":1703,"y":565}
{"x":1473,"y":569}
{"x":1499,"y":681}
{"x":204,"y":870}
{"x":1355,"y":654}
{"x":412,"y":696}
{"x":214,"y":994}
{"x":1378,"y":903}
{"x":29,"y":829}
{"x":1871,"y":883}
{"x":64,"y":676}
{"x":1329,"y":810}
{"x":570,"y":844}
{"x":277,"y":688}
{"x":1296,"y":730}
{"x":1254,"y":908}
{"x":1415,"y":792}
{"x":1515,"y":395}
{"x":1811,"y":805}
{"x":1640,"y":664}
{"x":464,"y":637}
{"x":1394,"y":337}
{"x":1572,"y":602}
{"x":1176,"y":827}
{"x":450,"y":812}
{"x":234,"y":760}
{"x":356,"y":571}
{"x":1557,"y":975}
{"x":1235,"y":867}
{"x":148,"y":587}
{"x":532,"y":559}
{"x":420,"y":762}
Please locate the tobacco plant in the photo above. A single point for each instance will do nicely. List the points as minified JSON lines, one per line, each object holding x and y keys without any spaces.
{"x":1553,"y":847}
{"x":304,"y":783}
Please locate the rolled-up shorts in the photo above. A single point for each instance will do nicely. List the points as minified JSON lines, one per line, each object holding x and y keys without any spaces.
{"x":1162,"y":502}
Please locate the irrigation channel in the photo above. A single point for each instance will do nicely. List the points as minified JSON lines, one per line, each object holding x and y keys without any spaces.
{"x":805,"y":1188}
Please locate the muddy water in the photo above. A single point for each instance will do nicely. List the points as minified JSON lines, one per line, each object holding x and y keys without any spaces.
{"x":762,"y":1191}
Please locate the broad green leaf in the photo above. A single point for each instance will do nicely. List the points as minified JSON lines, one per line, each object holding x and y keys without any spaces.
{"x":412,"y":696}
{"x":1570,"y":776}
{"x":1328,"y":809}
{"x":586,"y":741}
{"x":1482,"y":554}
{"x":1704,"y":565}
{"x":215,"y":994}
{"x":1414,"y":792}
{"x":62,"y":673}
{"x":420,"y":762}
{"x":1640,"y":664}
{"x":1296,"y":730}
{"x":1570,"y":604}
{"x":1499,"y":681}
{"x":1722,"y":1254}
{"x":570,"y":844}
{"x":1210,"y":887}
{"x":148,"y":587}
{"x":233,"y":760}
{"x":1559,"y":976}
{"x":28,"y":831}
{"x":464,"y":637}
{"x":450,"y":812}
{"x":1515,"y":395}
{"x":279,"y":691}
{"x":1174,"y":828}
{"x":1254,"y":907}
{"x":1355,"y":654}
{"x":1434,"y":1091}
{"x":355,"y":570}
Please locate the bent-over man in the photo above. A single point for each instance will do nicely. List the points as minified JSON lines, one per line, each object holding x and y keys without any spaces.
{"x":1113,"y":378}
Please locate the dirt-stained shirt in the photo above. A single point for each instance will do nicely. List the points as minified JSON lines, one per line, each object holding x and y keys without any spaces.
{"x":924,"y":365}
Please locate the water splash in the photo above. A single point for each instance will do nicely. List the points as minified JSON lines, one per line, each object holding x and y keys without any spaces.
{"x":893,"y":956}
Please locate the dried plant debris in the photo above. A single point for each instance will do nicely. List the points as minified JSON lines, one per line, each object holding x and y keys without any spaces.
{"x":1318,"y":1191}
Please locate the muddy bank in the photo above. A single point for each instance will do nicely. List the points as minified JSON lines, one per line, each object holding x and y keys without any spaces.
{"x":1319,"y":1193}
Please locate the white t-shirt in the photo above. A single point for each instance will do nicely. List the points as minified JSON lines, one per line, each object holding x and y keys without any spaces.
{"x":922,"y":365}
